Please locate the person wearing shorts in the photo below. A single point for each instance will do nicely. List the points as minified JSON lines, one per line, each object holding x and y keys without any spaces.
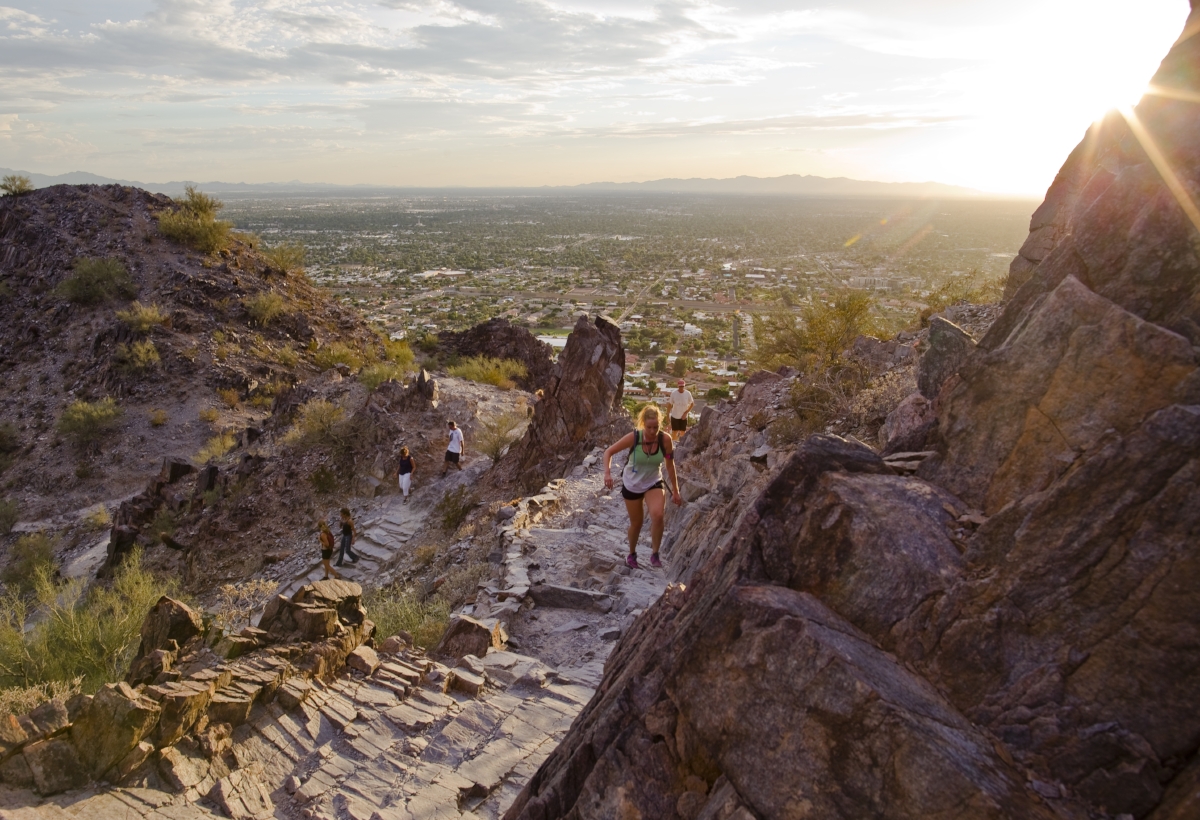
{"x":642,"y":479}
{"x":454,"y":448}
{"x":326,"y":537}
{"x":681,"y":404}
{"x":405,"y":472}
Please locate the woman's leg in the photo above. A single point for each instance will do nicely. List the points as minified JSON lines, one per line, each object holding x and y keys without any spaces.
{"x":405,"y":483}
{"x":634,"y":508}
{"x":655,"y":500}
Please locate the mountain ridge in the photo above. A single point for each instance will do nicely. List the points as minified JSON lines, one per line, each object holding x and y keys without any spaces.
{"x":788,"y":184}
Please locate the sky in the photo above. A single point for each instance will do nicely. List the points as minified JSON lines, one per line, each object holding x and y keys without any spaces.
{"x":558,"y":92}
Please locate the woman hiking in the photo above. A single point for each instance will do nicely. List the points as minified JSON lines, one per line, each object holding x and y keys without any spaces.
{"x":642,"y":479}
{"x":326,"y":537}
{"x":405,"y":471}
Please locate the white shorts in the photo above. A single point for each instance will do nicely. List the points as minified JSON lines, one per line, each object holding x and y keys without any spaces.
{"x":405,"y":483}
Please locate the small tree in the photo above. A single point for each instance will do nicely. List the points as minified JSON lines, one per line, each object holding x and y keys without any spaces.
{"x":682,"y":366}
{"x":660,"y":364}
{"x":15,"y":185}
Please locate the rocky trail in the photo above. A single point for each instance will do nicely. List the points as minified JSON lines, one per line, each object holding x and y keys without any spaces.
{"x":396,"y":735}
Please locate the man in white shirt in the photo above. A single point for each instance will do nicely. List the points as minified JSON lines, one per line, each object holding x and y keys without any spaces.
{"x":454,"y":448}
{"x":681,"y":404}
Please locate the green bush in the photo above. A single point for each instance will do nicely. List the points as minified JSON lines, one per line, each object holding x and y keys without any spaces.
{"x":428,"y":343}
{"x":264,"y":307}
{"x":9,"y":515}
{"x":141,"y":318}
{"x":32,"y":555}
{"x":681,"y":366}
{"x":288,"y":257}
{"x":376,"y":374}
{"x":452,"y":510}
{"x":660,"y":364}
{"x":82,"y":630}
{"x":337,"y":353}
{"x":394,"y":609}
{"x":86,"y":422}
{"x":817,"y":341}
{"x":139,"y":357}
{"x":15,"y":185}
{"x":318,"y":422}
{"x":498,"y":432}
{"x":716,"y":393}
{"x":194,"y":223}
{"x":97,"y":280}
{"x":399,"y":353}
{"x":216,"y":447}
{"x":486,"y":370}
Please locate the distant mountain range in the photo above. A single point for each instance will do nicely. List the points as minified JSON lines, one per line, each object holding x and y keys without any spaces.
{"x":790,"y":185}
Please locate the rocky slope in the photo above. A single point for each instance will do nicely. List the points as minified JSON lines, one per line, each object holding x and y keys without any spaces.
{"x":1012,"y":632}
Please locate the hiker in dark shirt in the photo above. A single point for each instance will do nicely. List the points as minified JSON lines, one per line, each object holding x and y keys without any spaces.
{"x":348,"y":536}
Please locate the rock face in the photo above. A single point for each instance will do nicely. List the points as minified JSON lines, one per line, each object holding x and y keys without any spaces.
{"x":1015,"y":632}
{"x":500,"y":339}
{"x":581,"y":408}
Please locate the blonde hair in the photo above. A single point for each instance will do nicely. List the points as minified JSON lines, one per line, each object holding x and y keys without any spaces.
{"x":403,"y":451}
{"x":648,"y":410}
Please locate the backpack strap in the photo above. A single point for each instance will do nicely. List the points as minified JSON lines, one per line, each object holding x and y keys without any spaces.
{"x":637,"y":434}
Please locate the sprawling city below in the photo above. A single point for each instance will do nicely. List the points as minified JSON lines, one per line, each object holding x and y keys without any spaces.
{"x":682,"y":274}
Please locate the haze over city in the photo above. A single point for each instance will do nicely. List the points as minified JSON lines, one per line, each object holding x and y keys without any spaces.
{"x":526,"y":92}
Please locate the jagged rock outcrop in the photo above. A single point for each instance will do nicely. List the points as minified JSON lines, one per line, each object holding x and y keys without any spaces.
{"x":1014,"y":632}
{"x":500,"y":339}
{"x":581,"y":408}
{"x":183,"y":699}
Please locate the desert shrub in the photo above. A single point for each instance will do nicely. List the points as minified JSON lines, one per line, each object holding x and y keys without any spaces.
{"x":462,"y":583}
{"x":209,"y":415}
{"x":976,"y":288}
{"x":158,"y":417}
{"x":16,"y":184}
{"x":163,"y":523}
{"x":98,"y":519}
{"x":238,"y":603}
{"x":216,"y":447}
{"x":496,"y":433}
{"x":287,"y":357}
{"x":230,"y":397}
{"x":82,"y":631}
{"x":394,"y":609}
{"x":32,"y":555}
{"x":323,"y":480}
{"x":452,"y":510}
{"x":376,"y":374}
{"x":288,"y":257}
{"x":194,"y":222}
{"x":86,"y":422}
{"x":20,"y":700}
{"x":330,"y":355}
{"x":141,"y":317}
{"x":819,"y":397}
{"x":139,"y":357}
{"x":486,"y":370}
{"x":870,"y":407}
{"x":423,"y":556}
{"x":428,"y":343}
{"x":264,"y":307}
{"x":9,"y":513}
{"x":716,"y":393}
{"x":318,"y":422}
{"x":399,"y":352}
{"x":97,"y":280}
{"x":818,"y":339}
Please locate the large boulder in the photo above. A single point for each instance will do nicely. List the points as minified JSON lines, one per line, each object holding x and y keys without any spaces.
{"x":169,"y":625}
{"x":581,"y":408}
{"x":500,"y":339}
{"x":111,"y":725}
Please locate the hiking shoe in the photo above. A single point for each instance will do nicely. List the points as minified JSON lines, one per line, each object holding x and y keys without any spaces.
{"x":654,"y":562}
{"x":631,"y":561}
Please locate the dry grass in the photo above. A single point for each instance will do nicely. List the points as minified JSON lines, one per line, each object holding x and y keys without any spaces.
{"x":158,"y":417}
{"x":97,"y":280}
{"x":85,"y":423}
{"x":318,"y":422}
{"x":486,"y":370}
{"x":230,"y":397}
{"x":497,"y":433}
{"x":209,"y":415}
{"x":137,"y":358}
{"x":142,"y":318}
{"x":194,"y":223}
{"x":264,"y":308}
{"x":216,"y":447}
{"x":238,"y":603}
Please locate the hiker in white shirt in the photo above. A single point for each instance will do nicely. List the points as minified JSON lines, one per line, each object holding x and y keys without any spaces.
{"x":454,"y":448}
{"x":681,"y":404}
